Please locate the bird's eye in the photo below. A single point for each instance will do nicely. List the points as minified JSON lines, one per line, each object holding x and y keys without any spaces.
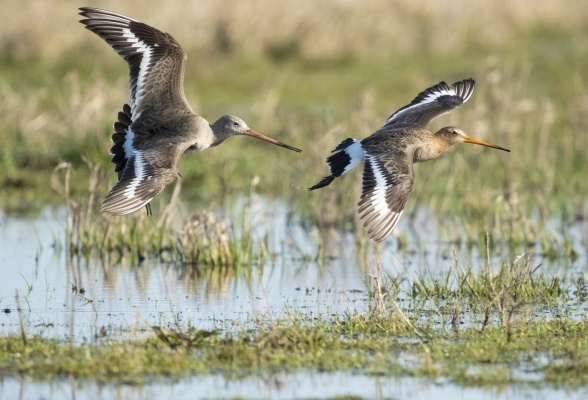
{"x":235,"y":123}
{"x":454,"y":132}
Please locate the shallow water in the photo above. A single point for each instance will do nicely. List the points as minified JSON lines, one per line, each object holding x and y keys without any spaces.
{"x":281,"y":386}
{"x":124,"y":301}
{"x":128,"y":299}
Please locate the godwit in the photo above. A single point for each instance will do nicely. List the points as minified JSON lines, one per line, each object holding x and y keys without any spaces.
{"x":159,"y":126}
{"x":390,"y":153}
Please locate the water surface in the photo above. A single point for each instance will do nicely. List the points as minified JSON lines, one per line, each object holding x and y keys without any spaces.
{"x":125,"y":300}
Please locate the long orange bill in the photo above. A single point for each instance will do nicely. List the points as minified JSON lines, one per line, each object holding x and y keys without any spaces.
{"x":468,"y":139}
{"x":258,"y":135}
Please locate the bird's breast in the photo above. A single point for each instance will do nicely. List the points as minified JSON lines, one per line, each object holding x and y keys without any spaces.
{"x":429,"y":150}
{"x":201,"y":136}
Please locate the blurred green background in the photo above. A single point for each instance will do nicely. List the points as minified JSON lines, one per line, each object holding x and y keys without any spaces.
{"x":311,"y":74}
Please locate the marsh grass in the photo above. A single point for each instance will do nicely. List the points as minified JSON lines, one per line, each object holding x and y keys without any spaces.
{"x":555,"y":349}
{"x":333,"y":70}
{"x":515,"y":291}
{"x":207,"y":238}
{"x":479,"y":327}
{"x":60,"y":101}
{"x":204,"y":238}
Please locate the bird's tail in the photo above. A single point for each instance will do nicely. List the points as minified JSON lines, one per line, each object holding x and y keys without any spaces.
{"x":346,"y":156}
{"x":122,"y":137}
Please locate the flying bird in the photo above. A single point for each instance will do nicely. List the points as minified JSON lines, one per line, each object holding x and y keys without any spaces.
{"x":390,"y":152}
{"x":158,"y":127}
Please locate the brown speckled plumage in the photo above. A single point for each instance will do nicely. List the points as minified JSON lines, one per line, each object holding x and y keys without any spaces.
{"x":390,"y":152}
{"x":158,"y":126}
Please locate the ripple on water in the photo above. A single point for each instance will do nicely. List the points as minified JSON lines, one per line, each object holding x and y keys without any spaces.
{"x":127,"y":299}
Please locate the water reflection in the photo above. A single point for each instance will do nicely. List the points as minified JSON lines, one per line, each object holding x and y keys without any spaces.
{"x":276,"y":386}
{"x":80,"y":299}
{"x":304,"y":270}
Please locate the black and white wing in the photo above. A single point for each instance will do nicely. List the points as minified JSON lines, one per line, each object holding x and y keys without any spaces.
{"x":156,"y":61}
{"x":156,"y":78}
{"x":145,"y":174}
{"x":387,"y":182}
{"x":433,"y":102}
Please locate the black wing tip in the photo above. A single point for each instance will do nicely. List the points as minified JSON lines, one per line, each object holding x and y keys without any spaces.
{"x":86,"y":11}
{"x":106,"y":210}
{"x":326,"y":181}
{"x":470,"y":81}
{"x":467,"y":85}
{"x":377,"y":228}
{"x":116,"y":203}
{"x":96,"y":15}
{"x":343,"y":145}
{"x":467,"y":80}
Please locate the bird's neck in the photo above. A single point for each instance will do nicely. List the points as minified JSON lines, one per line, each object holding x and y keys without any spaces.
{"x":218,"y":136}
{"x":430,"y":149}
{"x":203,"y":136}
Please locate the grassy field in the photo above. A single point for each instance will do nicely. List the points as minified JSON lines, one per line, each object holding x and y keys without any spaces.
{"x":312,"y":75}
{"x":325,"y":75}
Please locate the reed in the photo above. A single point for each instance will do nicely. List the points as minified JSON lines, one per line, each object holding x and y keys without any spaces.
{"x":203,"y":239}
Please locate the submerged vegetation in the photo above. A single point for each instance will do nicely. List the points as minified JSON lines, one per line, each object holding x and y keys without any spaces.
{"x":550,"y":351}
{"x":513,"y":326}
{"x":504,"y":313}
{"x":511,"y":323}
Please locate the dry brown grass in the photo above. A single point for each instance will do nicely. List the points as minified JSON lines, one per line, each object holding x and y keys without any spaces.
{"x":313,"y":74}
{"x":323,"y":30}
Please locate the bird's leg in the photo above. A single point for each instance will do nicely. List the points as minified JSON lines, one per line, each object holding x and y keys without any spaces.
{"x":148,"y":207}
{"x":180,"y":175}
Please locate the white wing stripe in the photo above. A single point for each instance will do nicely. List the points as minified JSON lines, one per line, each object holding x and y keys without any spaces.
{"x":129,"y":192}
{"x":378,"y":198}
{"x":128,"y":144}
{"x":429,"y":99}
{"x":145,"y":60}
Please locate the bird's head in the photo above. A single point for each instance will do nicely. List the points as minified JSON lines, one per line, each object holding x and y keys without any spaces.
{"x":452,"y":135}
{"x":229,"y":125}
